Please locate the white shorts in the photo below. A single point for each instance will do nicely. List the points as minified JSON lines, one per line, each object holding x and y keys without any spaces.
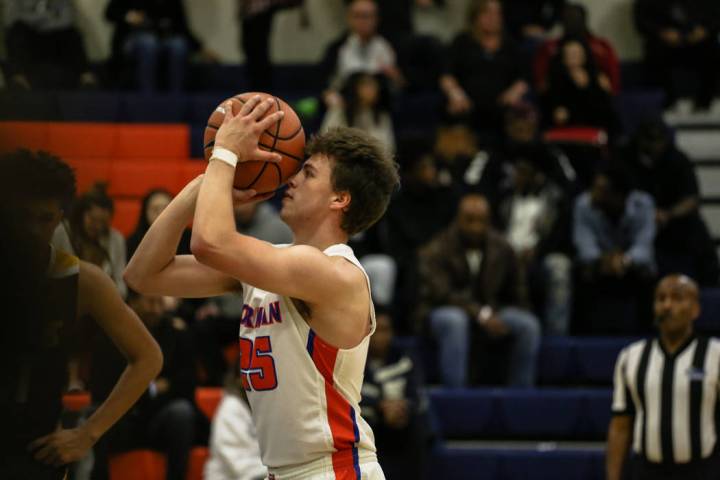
{"x":322,"y":469}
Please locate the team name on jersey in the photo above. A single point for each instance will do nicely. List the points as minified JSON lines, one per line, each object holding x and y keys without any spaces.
{"x":260,"y":316}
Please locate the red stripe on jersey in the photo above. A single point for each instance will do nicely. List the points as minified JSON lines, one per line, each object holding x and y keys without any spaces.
{"x":339,"y":411}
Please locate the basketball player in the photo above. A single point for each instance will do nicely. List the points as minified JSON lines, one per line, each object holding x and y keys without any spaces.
{"x":308,"y":314}
{"x":50,"y":291}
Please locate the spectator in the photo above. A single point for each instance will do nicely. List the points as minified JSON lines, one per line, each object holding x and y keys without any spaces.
{"x":469,"y":276}
{"x":683,"y":243}
{"x":45,"y":49}
{"x":148,"y":34}
{"x":89,"y":235}
{"x":463,"y":165}
{"x":366,"y":105}
{"x":533,"y":214}
{"x":482,"y":75}
{"x":613,"y":233}
{"x":680,"y":34}
{"x":164,"y":418}
{"x":234,"y":448}
{"x":217,"y":320}
{"x":577,"y":94}
{"x":419,"y":210}
{"x":360,"y":49}
{"x":256,"y":18}
{"x":531,"y":20}
{"x":665,"y":395}
{"x":574,"y":25}
{"x":395,"y":404}
{"x":153,"y":203}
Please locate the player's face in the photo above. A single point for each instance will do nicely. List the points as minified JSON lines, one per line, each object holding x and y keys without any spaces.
{"x":309,"y":192}
{"x":676,"y":304}
{"x":40,"y":218}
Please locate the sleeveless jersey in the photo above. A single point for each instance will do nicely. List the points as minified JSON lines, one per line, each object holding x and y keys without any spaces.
{"x":304,"y":394}
{"x":40,"y":368}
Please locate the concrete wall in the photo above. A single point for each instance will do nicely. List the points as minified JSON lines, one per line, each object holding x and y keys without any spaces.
{"x":215,"y":23}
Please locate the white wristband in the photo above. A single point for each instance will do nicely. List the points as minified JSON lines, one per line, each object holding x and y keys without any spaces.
{"x":224,"y":155}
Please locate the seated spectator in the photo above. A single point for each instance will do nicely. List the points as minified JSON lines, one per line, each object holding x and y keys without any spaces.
{"x":577,"y":94}
{"x":422,"y":208}
{"x":574,"y":24}
{"x":164,"y":418}
{"x":463,"y":165}
{"x":533,"y":214}
{"x":234,"y":448}
{"x":613,"y":233}
{"x":470,"y":280}
{"x":365,"y":105}
{"x":217,"y":320}
{"x":680,"y":34}
{"x":529,"y":21}
{"x":395,"y":405}
{"x":149,"y":34}
{"x":89,"y":235}
{"x":360,"y":49}
{"x":683,"y":243}
{"x":482,"y":75}
{"x":153,"y":203}
{"x":45,"y":50}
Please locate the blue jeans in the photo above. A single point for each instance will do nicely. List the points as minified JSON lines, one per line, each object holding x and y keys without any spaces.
{"x":146,"y":49}
{"x":451,"y":327}
{"x":557,"y":269}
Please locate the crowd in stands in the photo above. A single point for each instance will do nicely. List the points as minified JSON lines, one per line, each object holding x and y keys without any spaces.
{"x":497,"y":236}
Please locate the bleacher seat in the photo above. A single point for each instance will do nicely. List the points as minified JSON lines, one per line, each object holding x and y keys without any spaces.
{"x":522,"y":414}
{"x":579,"y":360}
{"x":127,"y":212}
{"x":155,"y":108}
{"x":89,"y":106}
{"x":137,"y":465}
{"x":208,"y":399}
{"x":709,"y":320}
{"x":76,"y":401}
{"x":196,"y":463}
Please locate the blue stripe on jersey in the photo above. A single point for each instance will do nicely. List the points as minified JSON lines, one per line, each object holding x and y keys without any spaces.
{"x":356,"y":431}
{"x":311,"y":342}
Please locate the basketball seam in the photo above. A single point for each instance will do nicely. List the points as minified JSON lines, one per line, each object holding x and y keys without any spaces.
{"x":289,"y":155}
{"x":260,"y":174}
{"x":276,"y":136}
{"x":279,"y":172}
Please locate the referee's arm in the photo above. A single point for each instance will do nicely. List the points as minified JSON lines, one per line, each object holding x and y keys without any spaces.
{"x":620,"y":429}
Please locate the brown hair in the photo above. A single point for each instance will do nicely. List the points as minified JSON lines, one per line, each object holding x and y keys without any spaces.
{"x":362,"y":167}
{"x":477,"y":7}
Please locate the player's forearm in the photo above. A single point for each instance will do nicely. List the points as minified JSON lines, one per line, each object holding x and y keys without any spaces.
{"x":159,"y":245}
{"x":129,"y":387}
{"x":617,"y":448}
{"x":214,"y":219}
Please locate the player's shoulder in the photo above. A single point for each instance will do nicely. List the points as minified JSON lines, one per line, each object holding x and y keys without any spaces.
{"x":63,"y":264}
{"x":92,"y":278}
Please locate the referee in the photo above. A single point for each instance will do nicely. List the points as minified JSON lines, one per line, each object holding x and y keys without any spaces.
{"x":666,"y":392}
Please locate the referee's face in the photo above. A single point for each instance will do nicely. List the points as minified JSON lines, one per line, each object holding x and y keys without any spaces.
{"x":676,"y":304}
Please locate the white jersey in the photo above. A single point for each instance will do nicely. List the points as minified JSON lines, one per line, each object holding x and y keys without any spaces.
{"x":304,"y":394}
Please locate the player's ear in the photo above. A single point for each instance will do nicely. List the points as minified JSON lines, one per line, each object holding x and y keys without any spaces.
{"x":340,"y":200}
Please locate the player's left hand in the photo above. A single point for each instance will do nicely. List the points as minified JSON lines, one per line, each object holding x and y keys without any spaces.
{"x":240,"y":133}
{"x":62,"y":447}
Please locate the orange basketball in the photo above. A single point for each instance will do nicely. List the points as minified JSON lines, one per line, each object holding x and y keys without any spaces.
{"x":286,"y":137}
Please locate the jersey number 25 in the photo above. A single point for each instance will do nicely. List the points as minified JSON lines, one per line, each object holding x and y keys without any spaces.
{"x":257,"y":366}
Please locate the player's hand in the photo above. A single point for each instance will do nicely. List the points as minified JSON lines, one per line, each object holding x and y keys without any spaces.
{"x":62,"y":447}
{"x":240,"y":133}
{"x":395,"y":412}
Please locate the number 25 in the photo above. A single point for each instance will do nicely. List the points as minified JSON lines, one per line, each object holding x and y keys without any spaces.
{"x":257,"y":366}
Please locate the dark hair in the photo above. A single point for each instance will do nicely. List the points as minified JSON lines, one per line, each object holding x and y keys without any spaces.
{"x":40,"y":175}
{"x":349,"y":93}
{"x":143,"y":225}
{"x":95,"y":197}
{"x":620,"y":179}
{"x":557,"y":67}
{"x":361,"y":167}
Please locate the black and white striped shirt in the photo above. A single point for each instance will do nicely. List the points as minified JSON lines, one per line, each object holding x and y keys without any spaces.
{"x":672,"y":397}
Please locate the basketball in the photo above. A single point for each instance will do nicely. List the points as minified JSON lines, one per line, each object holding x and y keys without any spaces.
{"x":286,"y":137}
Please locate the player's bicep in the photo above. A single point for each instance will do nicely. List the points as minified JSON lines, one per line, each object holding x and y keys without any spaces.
{"x":185,"y":277}
{"x":100,"y":300}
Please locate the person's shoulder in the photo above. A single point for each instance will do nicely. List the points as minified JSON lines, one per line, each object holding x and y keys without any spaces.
{"x":634,"y":347}
{"x":64,"y":264}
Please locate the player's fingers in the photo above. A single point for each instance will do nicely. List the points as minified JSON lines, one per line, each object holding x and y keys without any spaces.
{"x":261,"y":109}
{"x":250,"y":105}
{"x":242,"y":195}
{"x":38,"y":442}
{"x":265,"y":156}
{"x":228,"y":112}
{"x":45,"y":454}
{"x":270,"y":120}
{"x":263,"y":196}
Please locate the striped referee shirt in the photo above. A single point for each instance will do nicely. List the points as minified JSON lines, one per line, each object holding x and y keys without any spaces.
{"x":671,"y":396}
